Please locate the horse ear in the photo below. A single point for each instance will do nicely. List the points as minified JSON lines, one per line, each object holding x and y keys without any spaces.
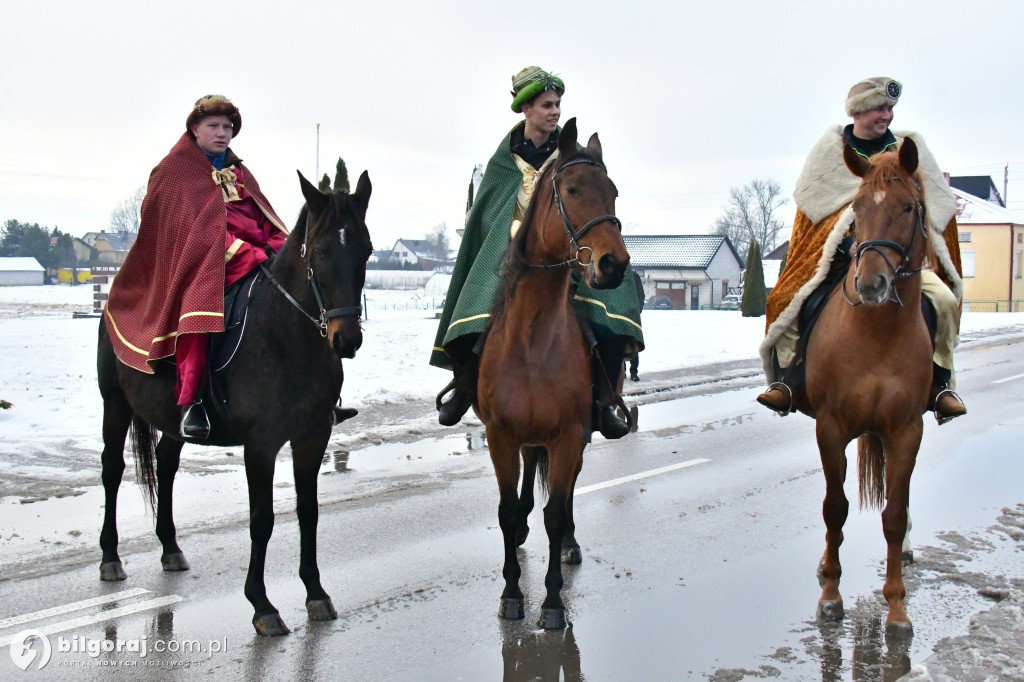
{"x":857,"y":164}
{"x":315,"y":199}
{"x":567,"y":139}
{"x":908,"y":155}
{"x":362,"y":194}
{"x":594,"y":147}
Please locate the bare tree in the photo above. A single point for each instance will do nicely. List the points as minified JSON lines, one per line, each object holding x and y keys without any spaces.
{"x":126,"y":215}
{"x":439,"y":241}
{"x":753,"y":213}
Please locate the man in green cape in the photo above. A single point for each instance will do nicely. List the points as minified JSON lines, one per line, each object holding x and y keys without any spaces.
{"x":504,"y":194}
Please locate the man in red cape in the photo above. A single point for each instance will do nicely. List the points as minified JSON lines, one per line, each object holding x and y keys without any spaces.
{"x":205,"y":225}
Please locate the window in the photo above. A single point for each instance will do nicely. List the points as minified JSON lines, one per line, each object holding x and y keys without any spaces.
{"x":965,"y":236}
{"x":1020,"y":237}
{"x":1017,"y":264}
{"x":967,"y":262}
{"x":678,"y":285}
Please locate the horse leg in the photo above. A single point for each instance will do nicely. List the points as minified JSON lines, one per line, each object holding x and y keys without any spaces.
{"x":563,"y":466}
{"x":168,"y":456}
{"x":834,"y":510}
{"x":908,"y":547}
{"x":259,"y":473}
{"x":901,"y":455}
{"x":571,"y":553}
{"x":117,"y":417}
{"x":505,"y":457}
{"x":531,"y":455}
{"x":306,"y":459}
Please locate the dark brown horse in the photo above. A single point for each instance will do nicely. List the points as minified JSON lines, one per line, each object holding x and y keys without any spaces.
{"x":869,"y":367}
{"x":281,"y":387}
{"x":534,"y":389}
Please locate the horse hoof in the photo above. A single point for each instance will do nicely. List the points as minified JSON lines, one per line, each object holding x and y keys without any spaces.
{"x":270,"y":625}
{"x":112,"y":570}
{"x":174,"y":562}
{"x":321,"y":609}
{"x":572,"y":556}
{"x":830,"y":609}
{"x":511,"y":609}
{"x":908,"y":557}
{"x":903,"y":631}
{"x":552,"y":619}
{"x":521,"y":535}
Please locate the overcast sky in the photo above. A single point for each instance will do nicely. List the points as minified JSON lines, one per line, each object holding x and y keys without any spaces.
{"x":689,"y":99}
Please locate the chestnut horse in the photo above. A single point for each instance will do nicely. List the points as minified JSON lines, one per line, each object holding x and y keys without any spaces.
{"x":869,"y":367}
{"x":282,"y":385}
{"x":534,"y":391}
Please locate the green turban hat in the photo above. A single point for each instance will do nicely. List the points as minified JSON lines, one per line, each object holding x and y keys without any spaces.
{"x":531,"y":82}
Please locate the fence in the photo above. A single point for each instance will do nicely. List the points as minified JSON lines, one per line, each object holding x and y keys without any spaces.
{"x":1004,"y":306}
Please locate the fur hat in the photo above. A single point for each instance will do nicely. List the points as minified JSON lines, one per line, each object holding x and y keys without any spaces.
{"x":214,"y":105}
{"x":530,"y":82}
{"x":871,"y":93}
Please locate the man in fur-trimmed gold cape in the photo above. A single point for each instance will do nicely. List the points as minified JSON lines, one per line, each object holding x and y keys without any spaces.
{"x":824,"y":218}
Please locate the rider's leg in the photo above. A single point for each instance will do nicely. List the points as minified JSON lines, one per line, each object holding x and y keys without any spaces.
{"x":946,"y":403}
{"x":465,"y":353}
{"x":779,"y":396}
{"x":190,"y":357}
{"x":612,"y":349}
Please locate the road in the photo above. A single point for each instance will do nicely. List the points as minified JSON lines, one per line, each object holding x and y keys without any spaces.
{"x":700,"y":537}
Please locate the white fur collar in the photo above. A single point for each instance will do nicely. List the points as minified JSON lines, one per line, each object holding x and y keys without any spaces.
{"x":826,"y":184}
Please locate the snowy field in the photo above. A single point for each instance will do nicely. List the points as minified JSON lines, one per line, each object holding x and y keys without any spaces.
{"x":49,"y":368}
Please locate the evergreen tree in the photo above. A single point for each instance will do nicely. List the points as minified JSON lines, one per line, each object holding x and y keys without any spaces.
{"x":755,"y":295}
{"x":325,"y":183}
{"x":341,"y":176}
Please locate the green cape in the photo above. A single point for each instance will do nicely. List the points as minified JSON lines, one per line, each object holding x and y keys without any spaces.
{"x":477,"y":272}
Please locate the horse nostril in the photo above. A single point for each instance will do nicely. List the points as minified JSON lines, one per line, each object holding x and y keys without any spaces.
{"x":610,"y":266}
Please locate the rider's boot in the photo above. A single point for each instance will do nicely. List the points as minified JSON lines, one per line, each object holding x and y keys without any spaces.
{"x":463,"y":387}
{"x":612,"y":350}
{"x":195,"y":423}
{"x":779,"y":396}
{"x":943,"y":400}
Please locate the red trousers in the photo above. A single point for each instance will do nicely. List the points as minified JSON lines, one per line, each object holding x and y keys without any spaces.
{"x":190,"y":355}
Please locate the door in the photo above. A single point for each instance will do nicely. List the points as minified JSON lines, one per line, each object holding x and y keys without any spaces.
{"x":694,"y":297}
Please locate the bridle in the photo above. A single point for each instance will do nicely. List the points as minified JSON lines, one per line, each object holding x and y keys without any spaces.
{"x":571,"y":232}
{"x":325,"y":315}
{"x":900,"y":271}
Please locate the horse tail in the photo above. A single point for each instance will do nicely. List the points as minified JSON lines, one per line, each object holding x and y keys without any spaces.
{"x":871,"y":471}
{"x":542,"y":469}
{"x":144,"y":450}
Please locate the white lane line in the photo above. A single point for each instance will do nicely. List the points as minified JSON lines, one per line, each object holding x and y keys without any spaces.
{"x":68,"y":608}
{"x":100,"y":617}
{"x":1003,"y":381}
{"x":636,"y":477}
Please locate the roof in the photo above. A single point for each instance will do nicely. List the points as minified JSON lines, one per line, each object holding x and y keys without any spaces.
{"x":676,"y":251}
{"x":20,"y":264}
{"x":120,"y":241}
{"x":978,"y":186}
{"x":970,"y":210}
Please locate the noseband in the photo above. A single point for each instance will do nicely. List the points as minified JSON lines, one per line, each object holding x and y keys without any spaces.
{"x":325,"y":315}
{"x":571,"y":232}
{"x":900,"y":271}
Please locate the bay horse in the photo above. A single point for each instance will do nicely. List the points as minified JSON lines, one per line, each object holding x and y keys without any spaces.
{"x":534,"y":391}
{"x":282,"y":386}
{"x":869,"y":368}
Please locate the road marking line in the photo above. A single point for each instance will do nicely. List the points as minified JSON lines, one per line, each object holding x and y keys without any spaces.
{"x":1002,"y":381}
{"x":63,"y":626}
{"x":636,"y":477}
{"x":68,"y":608}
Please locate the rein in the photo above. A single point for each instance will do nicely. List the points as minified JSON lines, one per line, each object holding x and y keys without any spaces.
{"x":899,"y":272}
{"x":570,"y":231}
{"x":325,"y":315}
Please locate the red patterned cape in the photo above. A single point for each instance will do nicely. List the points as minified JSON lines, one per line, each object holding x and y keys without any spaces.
{"x":172,"y":281}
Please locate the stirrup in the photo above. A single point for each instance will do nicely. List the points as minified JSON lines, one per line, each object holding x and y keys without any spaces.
{"x":444,"y":391}
{"x":789,"y":391}
{"x":942,"y":419}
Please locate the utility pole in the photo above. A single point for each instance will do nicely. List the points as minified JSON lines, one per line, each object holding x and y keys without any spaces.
{"x":1006,"y":178}
{"x":317,"y":176}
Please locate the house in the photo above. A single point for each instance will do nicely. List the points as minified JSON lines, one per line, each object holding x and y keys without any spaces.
{"x":694,"y":271}
{"x":771,"y":264}
{"x":991,"y":253}
{"x":418,"y":253}
{"x":111,"y":249}
{"x":19,"y":271}
{"x":980,"y":186}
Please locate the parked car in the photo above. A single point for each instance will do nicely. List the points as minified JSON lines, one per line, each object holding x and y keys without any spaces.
{"x":659,"y":303}
{"x":731,"y":302}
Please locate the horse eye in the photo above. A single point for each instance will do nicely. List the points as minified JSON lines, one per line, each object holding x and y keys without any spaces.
{"x":573,"y":191}
{"x":909,"y":208}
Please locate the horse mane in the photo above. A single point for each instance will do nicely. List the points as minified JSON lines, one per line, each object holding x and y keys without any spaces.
{"x":514,"y":265}
{"x":885,"y":175}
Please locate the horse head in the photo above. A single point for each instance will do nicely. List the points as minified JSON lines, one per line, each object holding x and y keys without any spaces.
{"x":890,"y":214}
{"x":584,"y":196}
{"x":335,"y":248}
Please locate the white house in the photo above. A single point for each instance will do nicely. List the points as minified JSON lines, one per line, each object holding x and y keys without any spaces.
{"x":21,"y":271}
{"x":694,"y":270}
